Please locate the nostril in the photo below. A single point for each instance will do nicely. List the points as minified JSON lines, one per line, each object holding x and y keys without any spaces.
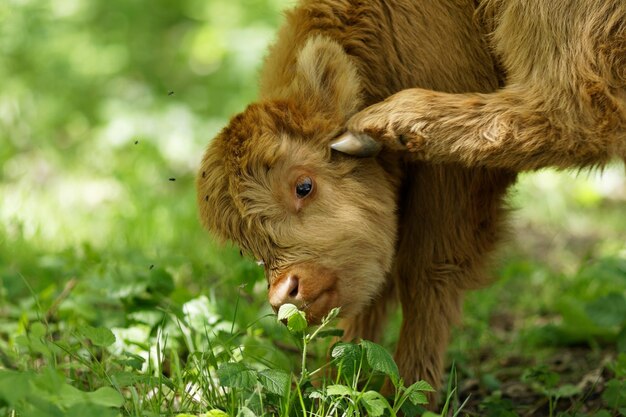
{"x":293,"y":286}
{"x":285,"y":290}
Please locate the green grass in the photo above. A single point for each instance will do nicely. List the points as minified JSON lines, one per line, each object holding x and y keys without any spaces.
{"x":114,"y":301}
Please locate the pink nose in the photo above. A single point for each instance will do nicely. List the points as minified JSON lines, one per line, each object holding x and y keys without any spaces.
{"x":284,"y":291}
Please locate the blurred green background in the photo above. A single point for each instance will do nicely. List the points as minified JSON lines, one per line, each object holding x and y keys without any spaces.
{"x":105,"y":110}
{"x":84,"y":81}
{"x":103,"y":105}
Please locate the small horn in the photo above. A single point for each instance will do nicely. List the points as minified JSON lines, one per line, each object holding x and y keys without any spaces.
{"x":358,"y":144}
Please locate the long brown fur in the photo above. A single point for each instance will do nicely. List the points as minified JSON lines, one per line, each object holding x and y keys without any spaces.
{"x":563,"y":105}
{"x":373,"y":230}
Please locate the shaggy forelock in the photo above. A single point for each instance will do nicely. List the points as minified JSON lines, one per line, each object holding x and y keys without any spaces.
{"x":234,"y":189}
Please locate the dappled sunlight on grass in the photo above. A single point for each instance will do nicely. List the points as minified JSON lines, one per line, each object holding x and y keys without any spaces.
{"x":565,"y":218}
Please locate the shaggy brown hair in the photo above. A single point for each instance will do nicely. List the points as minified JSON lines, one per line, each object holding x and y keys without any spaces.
{"x":366,"y":232}
{"x":563,"y":105}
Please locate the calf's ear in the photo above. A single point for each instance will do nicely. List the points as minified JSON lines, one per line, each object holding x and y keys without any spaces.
{"x":327,"y":79}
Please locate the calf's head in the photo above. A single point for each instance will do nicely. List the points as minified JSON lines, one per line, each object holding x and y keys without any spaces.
{"x":322,"y":223}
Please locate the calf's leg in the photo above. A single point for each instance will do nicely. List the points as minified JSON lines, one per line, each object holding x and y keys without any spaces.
{"x":450,"y":221}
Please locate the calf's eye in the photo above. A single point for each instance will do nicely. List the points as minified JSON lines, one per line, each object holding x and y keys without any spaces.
{"x":304,"y":186}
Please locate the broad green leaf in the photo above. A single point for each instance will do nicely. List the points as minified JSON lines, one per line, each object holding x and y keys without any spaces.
{"x":615,"y":394}
{"x":330,"y":333}
{"x":317,"y":395}
{"x":416,"y":391}
{"x":421,"y":386}
{"x":216,"y":412}
{"x":408,"y":409}
{"x":275,"y":381}
{"x":50,"y":380}
{"x":374,"y":403}
{"x":379,"y":359}
{"x":606,"y":270}
{"x":236,"y":375}
{"x":22,"y":341}
{"x":418,"y":398}
{"x":608,"y":311}
{"x":37,"y":330}
{"x":124,"y":379}
{"x":285,"y":311}
{"x":99,"y":336}
{"x":246,"y":412}
{"x":36,"y":339}
{"x":297,"y":322}
{"x":14,"y":386}
{"x":348,"y":356}
{"x":343,"y":349}
{"x":576,"y":320}
{"x":341,"y":390}
{"x":106,"y":396}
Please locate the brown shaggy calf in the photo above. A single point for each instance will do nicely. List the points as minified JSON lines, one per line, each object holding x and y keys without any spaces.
{"x":333,"y":230}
